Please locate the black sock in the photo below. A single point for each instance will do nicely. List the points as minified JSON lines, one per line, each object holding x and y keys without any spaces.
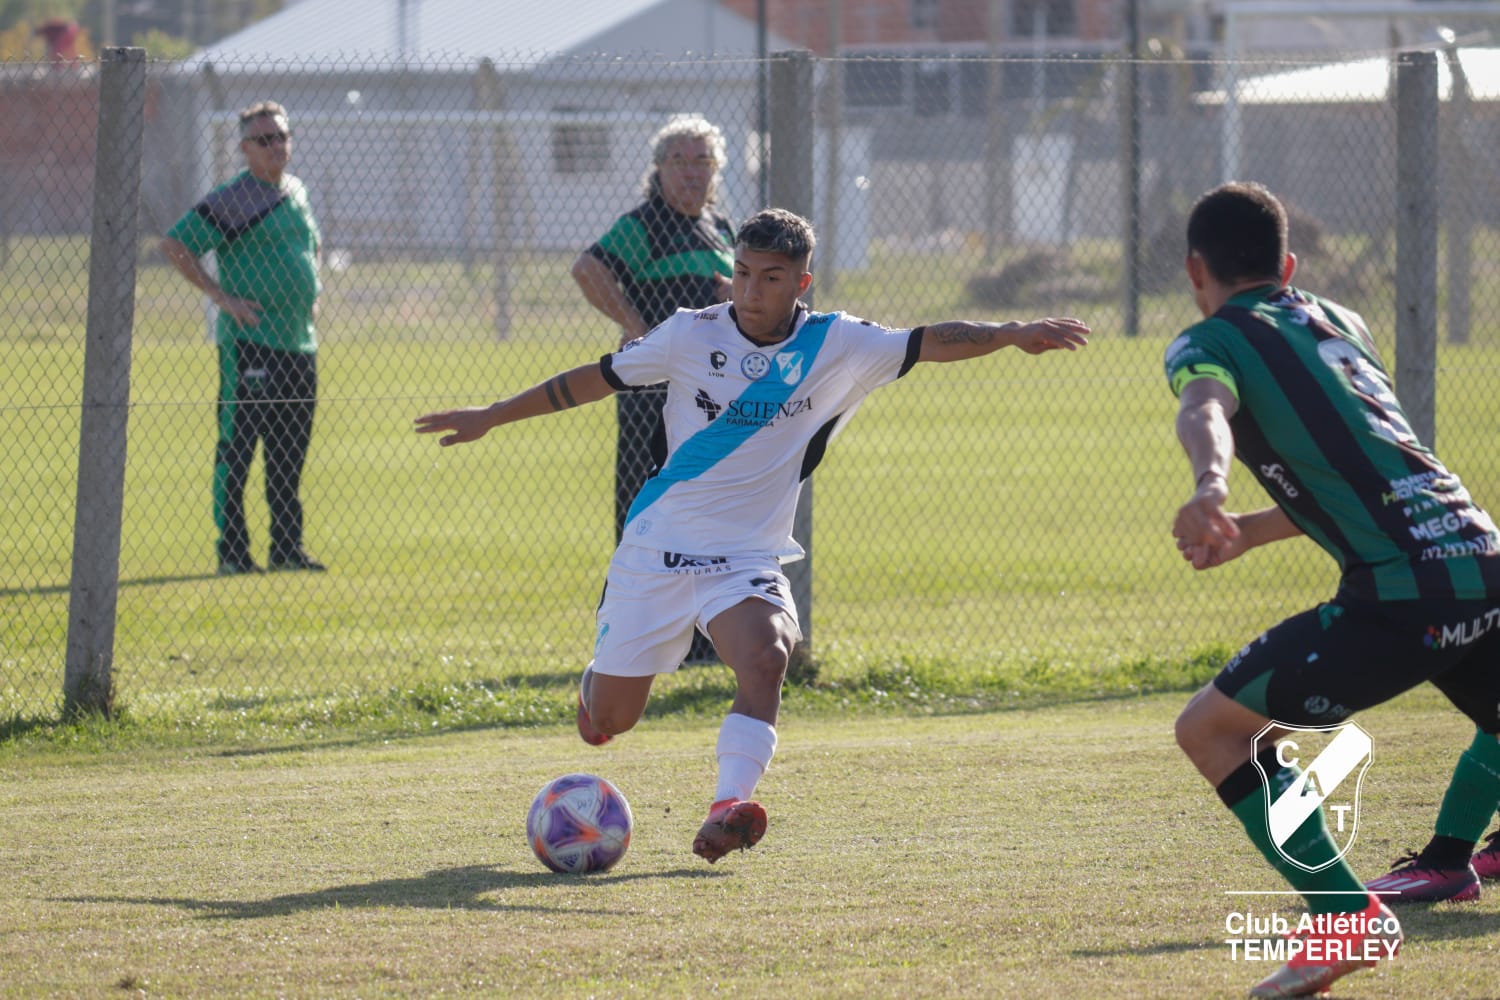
{"x":1446,"y":852}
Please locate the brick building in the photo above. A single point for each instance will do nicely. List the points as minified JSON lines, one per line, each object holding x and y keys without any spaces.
{"x":883,"y":24}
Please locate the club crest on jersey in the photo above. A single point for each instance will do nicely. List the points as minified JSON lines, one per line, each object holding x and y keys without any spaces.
{"x":789,"y":367}
{"x":1321,"y":768}
{"x":755,"y":365}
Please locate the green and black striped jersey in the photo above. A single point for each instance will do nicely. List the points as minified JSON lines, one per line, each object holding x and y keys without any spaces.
{"x":665,"y":260}
{"x":1320,"y":428}
{"x":266,"y":241}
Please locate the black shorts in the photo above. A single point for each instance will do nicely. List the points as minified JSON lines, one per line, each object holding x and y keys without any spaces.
{"x":1321,"y":666}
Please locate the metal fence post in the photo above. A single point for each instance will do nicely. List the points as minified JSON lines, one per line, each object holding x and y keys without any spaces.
{"x":503,"y":160}
{"x":1417,"y":239}
{"x":88,"y":683}
{"x":791,"y":187}
{"x":1130,"y":169}
{"x":1459,"y":171}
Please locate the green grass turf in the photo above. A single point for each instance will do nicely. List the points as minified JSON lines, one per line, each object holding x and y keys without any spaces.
{"x":1064,"y":851}
{"x":985,"y":528}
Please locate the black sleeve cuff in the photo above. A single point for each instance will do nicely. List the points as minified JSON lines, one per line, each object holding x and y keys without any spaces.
{"x":607,"y":369}
{"x":913,"y":350}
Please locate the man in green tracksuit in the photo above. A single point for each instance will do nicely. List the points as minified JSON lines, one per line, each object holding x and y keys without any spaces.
{"x":262,"y":231}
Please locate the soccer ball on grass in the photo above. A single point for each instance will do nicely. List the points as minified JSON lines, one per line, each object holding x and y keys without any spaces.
{"x":579,"y":823}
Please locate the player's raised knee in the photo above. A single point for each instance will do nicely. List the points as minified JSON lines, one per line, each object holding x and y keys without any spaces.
{"x":612,"y":720}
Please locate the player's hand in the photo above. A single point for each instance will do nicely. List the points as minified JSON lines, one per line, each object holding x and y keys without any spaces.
{"x":1052,"y":334}
{"x":245,"y":312}
{"x":1207,"y":535}
{"x":460,"y":426}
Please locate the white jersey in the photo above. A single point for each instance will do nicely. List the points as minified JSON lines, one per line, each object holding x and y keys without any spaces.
{"x":747,"y":422}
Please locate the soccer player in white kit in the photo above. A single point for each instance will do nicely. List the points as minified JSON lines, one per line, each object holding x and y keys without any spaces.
{"x":757,"y":387}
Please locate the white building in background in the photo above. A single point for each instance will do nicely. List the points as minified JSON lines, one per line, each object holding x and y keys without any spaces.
{"x":418,"y":121}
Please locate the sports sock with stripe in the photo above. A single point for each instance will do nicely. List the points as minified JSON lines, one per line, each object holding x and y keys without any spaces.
{"x":1244,"y":793}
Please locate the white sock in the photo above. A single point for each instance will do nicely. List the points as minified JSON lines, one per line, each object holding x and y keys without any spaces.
{"x":745,"y":749}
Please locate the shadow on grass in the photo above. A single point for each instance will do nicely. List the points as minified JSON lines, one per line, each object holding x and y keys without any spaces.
{"x":442,"y":889}
{"x":1137,"y":951}
{"x":22,"y":725}
{"x":1444,"y":922}
{"x":145,"y":581}
{"x":266,"y":722}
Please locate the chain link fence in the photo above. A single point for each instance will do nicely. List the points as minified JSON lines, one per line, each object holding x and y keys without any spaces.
{"x":1004,"y":510}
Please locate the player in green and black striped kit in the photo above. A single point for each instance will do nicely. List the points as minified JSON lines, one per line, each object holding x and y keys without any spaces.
{"x":260,"y":227}
{"x":1291,"y":384}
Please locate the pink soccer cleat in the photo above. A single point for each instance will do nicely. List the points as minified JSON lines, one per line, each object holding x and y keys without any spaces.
{"x":731,"y":825}
{"x":1410,"y":881}
{"x":1321,"y":956}
{"x":1486,"y":861}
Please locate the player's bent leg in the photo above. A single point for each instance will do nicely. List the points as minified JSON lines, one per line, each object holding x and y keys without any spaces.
{"x":1216,"y":733}
{"x":612,"y":705}
{"x":755,"y":638}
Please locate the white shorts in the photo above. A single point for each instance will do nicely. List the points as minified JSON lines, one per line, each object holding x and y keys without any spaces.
{"x":653,"y":600}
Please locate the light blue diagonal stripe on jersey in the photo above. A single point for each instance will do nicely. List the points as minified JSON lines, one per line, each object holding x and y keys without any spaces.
{"x":719,"y":439}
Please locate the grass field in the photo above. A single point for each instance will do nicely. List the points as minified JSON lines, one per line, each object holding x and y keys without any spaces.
{"x":317,"y":785}
{"x":1065,"y":851}
{"x":1002,"y":522}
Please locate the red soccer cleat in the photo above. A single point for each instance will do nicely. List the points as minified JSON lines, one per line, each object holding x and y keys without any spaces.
{"x":1486,"y":862}
{"x":1353,"y":941}
{"x":1410,"y":881}
{"x":731,"y":825}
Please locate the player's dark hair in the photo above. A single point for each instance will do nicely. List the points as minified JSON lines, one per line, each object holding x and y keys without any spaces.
{"x":775,"y":230}
{"x":1239,"y":231}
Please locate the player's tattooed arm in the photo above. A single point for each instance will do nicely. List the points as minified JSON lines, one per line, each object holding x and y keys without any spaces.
{"x":967,"y":333}
{"x":557,"y":392}
{"x":580,"y":385}
{"x":958,"y":340}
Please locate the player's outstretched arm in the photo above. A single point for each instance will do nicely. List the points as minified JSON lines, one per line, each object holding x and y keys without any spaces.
{"x":584,"y":384}
{"x":959,"y":340}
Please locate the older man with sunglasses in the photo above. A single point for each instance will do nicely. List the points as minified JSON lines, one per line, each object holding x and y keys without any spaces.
{"x":261,"y":229}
